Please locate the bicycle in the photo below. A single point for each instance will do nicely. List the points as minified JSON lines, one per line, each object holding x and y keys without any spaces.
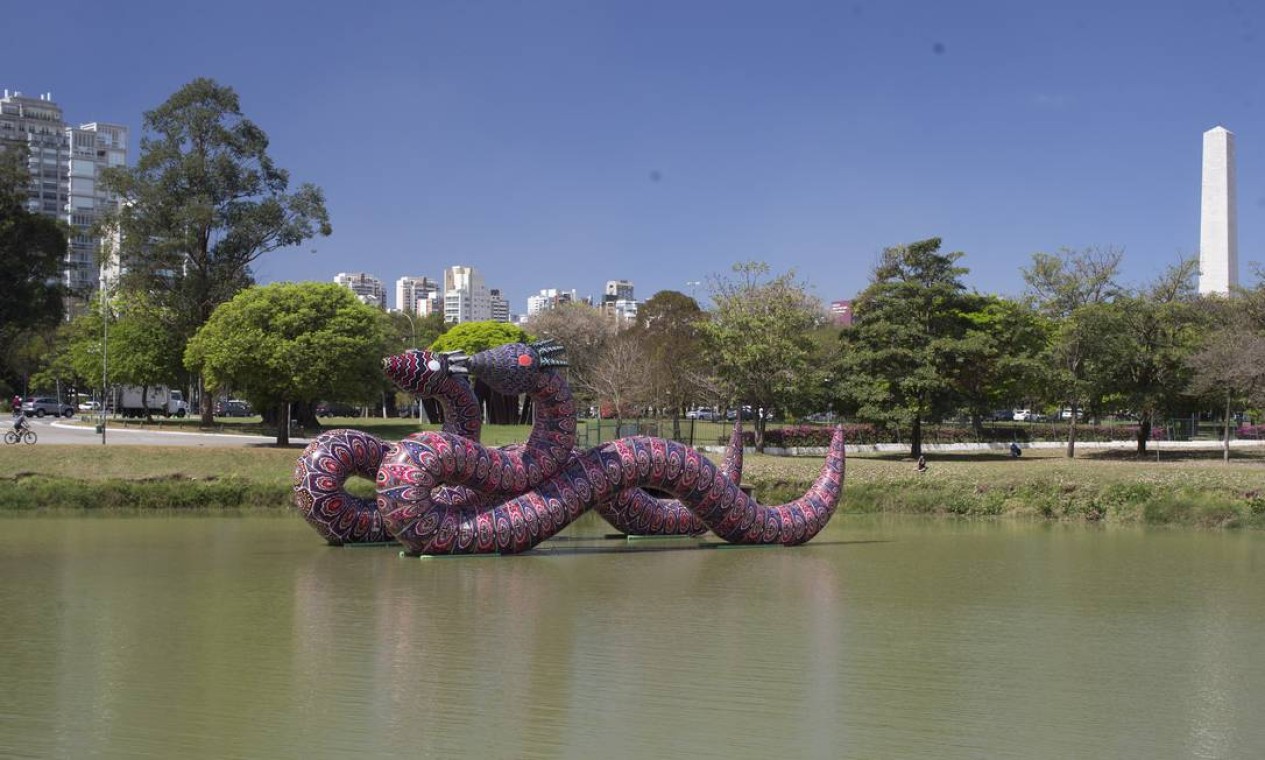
{"x":26,"y":436}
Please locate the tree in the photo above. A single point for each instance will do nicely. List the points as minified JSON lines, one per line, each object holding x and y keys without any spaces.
{"x":1230,"y":367}
{"x":1001,"y":355}
{"x":473,"y":337}
{"x":620,"y":375}
{"x":903,"y":353}
{"x":32,"y":256}
{"x":291,"y":343}
{"x":1147,"y":338}
{"x":758,"y":340}
{"x":1065,"y":288}
{"x":584,"y":332}
{"x":203,"y":202}
{"x":670,"y":339}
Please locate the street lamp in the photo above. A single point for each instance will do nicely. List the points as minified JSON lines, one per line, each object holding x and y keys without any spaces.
{"x":105,"y":336}
{"x":693,"y":286}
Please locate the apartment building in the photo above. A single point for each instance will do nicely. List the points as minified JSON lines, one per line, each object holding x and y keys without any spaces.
{"x":368,"y":289}
{"x":65,"y":164}
{"x":418,"y":295}
{"x":466,"y":297}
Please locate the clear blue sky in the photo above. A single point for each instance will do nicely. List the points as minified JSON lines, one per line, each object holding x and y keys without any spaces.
{"x":562,"y":144}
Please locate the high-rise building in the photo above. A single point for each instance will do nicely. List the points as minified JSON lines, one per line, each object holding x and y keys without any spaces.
{"x":1218,"y":215}
{"x":416,"y":295}
{"x":618,"y":290}
{"x":548,"y":298}
{"x":500,"y":306}
{"x":65,"y":163}
{"x":466,"y":298}
{"x":367,"y":288}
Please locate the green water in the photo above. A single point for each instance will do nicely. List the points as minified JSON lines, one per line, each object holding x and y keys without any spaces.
{"x":248,"y":637}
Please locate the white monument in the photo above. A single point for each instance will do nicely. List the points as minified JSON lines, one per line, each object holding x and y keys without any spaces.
{"x":1218,"y":219}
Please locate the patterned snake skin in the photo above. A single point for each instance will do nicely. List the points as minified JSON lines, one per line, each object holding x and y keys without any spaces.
{"x":411,"y":471}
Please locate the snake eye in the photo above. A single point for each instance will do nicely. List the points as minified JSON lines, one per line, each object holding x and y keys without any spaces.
{"x":433,"y":365}
{"x":524,"y":360}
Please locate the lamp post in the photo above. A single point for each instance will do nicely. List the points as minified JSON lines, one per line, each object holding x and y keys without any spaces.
{"x":693,"y":287}
{"x":105,"y":342}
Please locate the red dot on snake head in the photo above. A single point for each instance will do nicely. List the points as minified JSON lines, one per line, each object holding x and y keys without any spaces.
{"x":524,"y":360}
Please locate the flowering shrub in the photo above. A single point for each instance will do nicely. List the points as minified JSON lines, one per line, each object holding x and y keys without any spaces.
{"x":806,"y":436}
{"x":1251,"y":431}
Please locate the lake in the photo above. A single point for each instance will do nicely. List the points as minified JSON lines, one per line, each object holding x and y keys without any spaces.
{"x":225,"y":637}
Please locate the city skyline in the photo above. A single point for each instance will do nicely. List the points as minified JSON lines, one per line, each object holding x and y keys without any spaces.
{"x":548,"y":146}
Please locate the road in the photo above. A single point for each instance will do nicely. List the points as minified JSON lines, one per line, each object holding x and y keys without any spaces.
{"x":66,"y":432}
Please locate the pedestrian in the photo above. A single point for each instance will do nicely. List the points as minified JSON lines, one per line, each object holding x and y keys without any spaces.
{"x":17,"y":405}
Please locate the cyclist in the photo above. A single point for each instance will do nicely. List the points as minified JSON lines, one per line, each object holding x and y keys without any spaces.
{"x":19,"y":422}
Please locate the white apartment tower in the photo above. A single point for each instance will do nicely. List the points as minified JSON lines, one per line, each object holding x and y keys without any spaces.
{"x":1218,"y":216}
{"x":466,"y":298}
{"x":65,"y":163}
{"x":547,"y":299}
{"x":618,"y":290}
{"x":500,"y":306}
{"x":367,"y":288}
{"x":418,"y":295}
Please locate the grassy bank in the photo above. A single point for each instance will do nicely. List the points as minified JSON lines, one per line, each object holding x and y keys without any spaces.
{"x":1187,"y":488}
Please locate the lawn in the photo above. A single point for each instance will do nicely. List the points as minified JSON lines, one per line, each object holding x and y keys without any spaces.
{"x":1186,"y":487}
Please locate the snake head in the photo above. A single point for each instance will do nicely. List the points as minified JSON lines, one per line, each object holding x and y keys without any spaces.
{"x":421,"y":372}
{"x":517,"y":367}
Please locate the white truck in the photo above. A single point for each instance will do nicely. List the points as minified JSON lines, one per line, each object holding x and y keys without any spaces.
{"x":160,"y":399}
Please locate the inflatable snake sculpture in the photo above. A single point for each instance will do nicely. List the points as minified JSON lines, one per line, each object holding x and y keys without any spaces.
{"x":334,"y":456}
{"x":411,"y":472}
{"x":516,"y":368}
{"x":322,"y":471}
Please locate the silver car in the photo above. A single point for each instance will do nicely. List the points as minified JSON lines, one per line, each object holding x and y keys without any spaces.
{"x":38,"y":406}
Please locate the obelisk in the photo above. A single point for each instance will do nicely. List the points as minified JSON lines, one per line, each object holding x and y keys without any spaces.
{"x":1218,"y":219}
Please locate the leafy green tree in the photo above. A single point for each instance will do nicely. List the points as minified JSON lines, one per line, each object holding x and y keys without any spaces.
{"x":1069,"y":289}
{"x":903,"y":353}
{"x":669,"y":336}
{"x":1001,"y":355}
{"x":202,"y":203}
{"x":291,"y":343}
{"x":473,"y":337}
{"x":758,"y":340}
{"x":32,"y":256}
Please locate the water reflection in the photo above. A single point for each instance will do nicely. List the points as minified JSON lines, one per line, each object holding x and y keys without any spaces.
{"x":246,"y":637}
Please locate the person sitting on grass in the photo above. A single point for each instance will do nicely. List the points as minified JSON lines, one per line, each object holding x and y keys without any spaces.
{"x":922,"y":464}
{"x":1015,"y":451}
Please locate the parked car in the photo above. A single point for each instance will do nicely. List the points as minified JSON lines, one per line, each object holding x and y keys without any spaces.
{"x":701,"y":413}
{"x":233,"y":408}
{"x":336,"y":409}
{"x":90,"y":406}
{"x":38,"y":406}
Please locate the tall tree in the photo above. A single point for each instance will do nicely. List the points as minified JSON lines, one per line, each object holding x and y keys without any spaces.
{"x":1149,"y":336}
{"x":32,"y":255}
{"x":1229,"y":368}
{"x":203,"y":202}
{"x":759,"y":340}
{"x":670,"y":339}
{"x":1066,"y":288}
{"x":291,"y":343}
{"x":902,"y":354}
{"x":1002,"y":353}
{"x":585,"y":332}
